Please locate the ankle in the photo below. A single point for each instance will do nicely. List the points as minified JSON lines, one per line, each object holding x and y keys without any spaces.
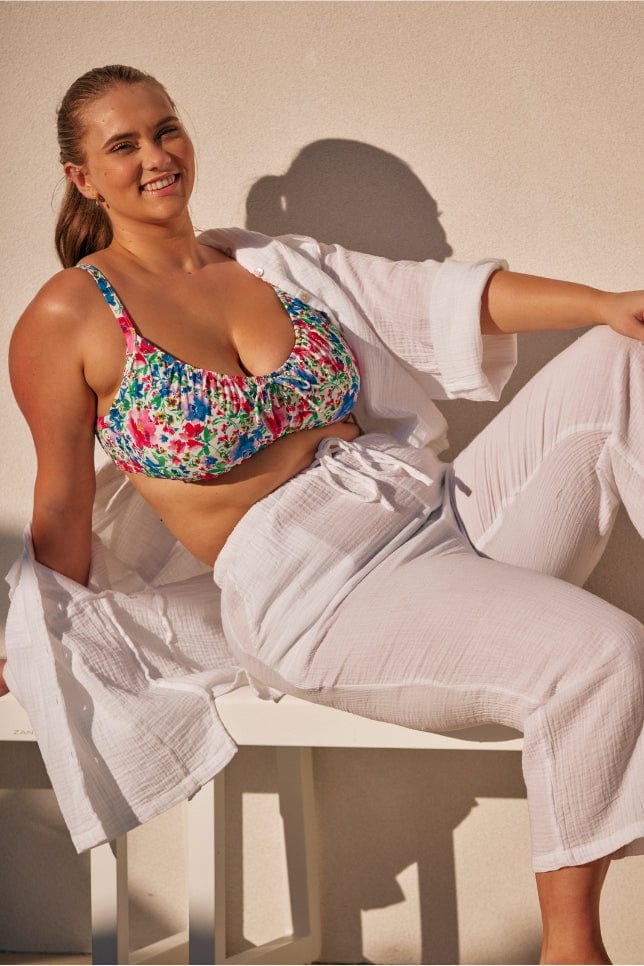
{"x":582,"y":954}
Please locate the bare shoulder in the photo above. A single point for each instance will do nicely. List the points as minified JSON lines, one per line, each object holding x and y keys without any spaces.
{"x":61,"y":302}
{"x":50,"y":337}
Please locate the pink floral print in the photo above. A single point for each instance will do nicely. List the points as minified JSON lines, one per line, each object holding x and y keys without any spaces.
{"x":170,"y":419}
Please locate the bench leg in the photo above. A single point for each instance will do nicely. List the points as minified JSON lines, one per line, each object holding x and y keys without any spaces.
{"x":109,"y":900}
{"x":207,"y":874}
{"x":295,"y":782}
{"x":297,"y":806}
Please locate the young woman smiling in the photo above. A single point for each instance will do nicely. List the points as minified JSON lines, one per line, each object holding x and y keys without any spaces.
{"x":270,"y":400}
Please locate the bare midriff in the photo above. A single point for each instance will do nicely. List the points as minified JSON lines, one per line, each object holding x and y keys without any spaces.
{"x":202,"y":515}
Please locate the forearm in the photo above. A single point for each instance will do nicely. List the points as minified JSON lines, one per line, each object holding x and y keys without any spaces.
{"x":64,"y":547}
{"x":513,"y":302}
{"x":62,"y":539}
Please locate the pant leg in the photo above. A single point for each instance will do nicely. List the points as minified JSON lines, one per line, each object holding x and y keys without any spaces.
{"x":540,"y":486}
{"x":446,"y":641}
{"x":433,"y":636}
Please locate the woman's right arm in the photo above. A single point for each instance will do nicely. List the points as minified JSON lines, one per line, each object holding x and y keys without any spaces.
{"x":46,"y":368}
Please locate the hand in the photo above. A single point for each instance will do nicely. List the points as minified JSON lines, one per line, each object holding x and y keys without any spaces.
{"x":624,"y":312}
{"x":3,"y":685}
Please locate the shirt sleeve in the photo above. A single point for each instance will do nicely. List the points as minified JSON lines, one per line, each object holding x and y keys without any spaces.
{"x":427,"y":313}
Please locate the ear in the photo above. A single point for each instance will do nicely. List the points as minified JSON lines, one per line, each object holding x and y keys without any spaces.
{"x":76,"y":174}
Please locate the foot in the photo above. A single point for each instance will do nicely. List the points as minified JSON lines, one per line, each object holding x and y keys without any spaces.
{"x":3,"y":685}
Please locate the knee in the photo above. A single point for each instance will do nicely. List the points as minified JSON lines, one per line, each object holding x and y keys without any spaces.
{"x":600,"y":699}
{"x":617,"y":666}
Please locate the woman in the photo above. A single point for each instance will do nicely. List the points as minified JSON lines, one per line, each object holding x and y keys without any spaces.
{"x":300,"y":459}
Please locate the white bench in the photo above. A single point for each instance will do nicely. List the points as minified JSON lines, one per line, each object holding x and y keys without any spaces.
{"x":293,"y":727}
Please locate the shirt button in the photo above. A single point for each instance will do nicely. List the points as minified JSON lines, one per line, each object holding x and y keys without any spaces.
{"x":304,"y":296}
{"x":259,"y":272}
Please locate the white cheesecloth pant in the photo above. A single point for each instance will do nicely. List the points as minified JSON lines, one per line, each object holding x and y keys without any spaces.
{"x":355,"y":585}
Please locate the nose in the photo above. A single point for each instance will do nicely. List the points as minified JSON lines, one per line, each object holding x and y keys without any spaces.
{"x":154,"y":156}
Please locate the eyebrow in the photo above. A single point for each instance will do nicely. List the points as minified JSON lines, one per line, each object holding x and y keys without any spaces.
{"x":132,"y":134}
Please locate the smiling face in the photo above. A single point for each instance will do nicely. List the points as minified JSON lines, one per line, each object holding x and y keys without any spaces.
{"x":137,"y":156}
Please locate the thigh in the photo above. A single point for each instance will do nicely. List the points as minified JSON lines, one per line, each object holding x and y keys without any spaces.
{"x":540,"y":486}
{"x":446,"y":639}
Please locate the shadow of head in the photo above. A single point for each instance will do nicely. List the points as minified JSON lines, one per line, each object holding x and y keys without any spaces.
{"x":354,"y":194}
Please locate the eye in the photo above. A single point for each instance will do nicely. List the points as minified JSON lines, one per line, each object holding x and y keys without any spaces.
{"x":171,"y":129}
{"x":121,"y":146}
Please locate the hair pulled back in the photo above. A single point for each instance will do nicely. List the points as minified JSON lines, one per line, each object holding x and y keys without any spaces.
{"x":83,"y":226}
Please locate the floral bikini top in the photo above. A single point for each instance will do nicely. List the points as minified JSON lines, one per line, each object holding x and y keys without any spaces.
{"x":170,"y":419}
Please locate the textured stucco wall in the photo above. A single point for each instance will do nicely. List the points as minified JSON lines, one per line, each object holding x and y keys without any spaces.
{"x":410,"y":130}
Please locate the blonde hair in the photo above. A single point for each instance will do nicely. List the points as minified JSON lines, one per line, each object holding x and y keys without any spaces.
{"x":82,"y":226}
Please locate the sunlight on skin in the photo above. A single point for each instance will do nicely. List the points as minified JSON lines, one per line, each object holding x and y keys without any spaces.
{"x":569,"y":900}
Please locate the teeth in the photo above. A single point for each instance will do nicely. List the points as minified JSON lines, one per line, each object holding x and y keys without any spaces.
{"x":162,"y":183}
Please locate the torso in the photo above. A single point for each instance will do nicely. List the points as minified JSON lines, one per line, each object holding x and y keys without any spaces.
{"x":217,"y":319}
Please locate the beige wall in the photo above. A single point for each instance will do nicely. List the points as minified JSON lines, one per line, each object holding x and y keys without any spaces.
{"x":521,"y":124}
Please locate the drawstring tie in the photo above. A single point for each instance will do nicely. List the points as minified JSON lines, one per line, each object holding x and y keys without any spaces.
{"x":374,"y":465}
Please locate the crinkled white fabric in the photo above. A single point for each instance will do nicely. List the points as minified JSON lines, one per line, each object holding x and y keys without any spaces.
{"x":387,"y":611}
{"x":540,"y":486}
{"x":319,"y":535}
{"x":118,"y":678}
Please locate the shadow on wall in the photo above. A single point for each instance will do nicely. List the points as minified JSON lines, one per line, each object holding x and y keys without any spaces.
{"x":354,"y":194}
{"x":364,"y":198}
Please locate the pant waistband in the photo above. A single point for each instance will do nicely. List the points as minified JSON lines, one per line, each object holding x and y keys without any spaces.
{"x":373,"y":464}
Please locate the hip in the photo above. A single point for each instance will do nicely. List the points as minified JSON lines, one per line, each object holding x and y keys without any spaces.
{"x":297,"y":553}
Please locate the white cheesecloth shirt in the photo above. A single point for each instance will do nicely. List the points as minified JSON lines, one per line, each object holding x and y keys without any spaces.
{"x":119,"y":678}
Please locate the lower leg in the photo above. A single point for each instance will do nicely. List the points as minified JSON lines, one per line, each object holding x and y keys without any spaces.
{"x":569,"y":900}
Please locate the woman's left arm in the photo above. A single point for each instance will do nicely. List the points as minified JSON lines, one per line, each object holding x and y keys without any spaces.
{"x":513,"y":302}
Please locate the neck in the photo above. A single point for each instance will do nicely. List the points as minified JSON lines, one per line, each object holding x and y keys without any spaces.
{"x":160,"y":249}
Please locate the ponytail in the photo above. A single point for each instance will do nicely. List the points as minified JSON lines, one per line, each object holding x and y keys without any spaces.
{"x":83,"y":226}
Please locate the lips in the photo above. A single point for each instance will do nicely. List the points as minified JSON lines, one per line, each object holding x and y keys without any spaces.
{"x":160,"y":183}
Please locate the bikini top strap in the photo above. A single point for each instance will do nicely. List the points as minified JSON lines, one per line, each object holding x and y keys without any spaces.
{"x":110,"y":296}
